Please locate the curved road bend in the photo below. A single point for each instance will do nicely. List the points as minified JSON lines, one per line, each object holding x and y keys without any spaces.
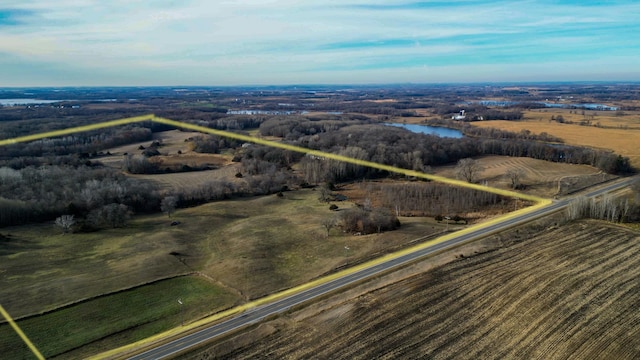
{"x":257,"y":314}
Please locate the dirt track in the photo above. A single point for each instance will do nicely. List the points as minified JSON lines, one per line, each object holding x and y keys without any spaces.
{"x":569,"y":293}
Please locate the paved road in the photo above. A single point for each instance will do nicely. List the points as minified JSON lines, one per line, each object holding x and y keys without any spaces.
{"x":257,"y":314}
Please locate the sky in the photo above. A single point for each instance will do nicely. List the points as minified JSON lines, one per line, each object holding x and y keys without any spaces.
{"x":284,"y":42}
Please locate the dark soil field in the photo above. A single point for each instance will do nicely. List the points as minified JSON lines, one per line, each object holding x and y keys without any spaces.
{"x":571,"y":292}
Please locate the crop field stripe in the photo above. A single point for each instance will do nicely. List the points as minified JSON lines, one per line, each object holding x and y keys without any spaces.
{"x":22,"y":335}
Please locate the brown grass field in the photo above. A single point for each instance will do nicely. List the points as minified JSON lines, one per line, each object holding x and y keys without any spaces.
{"x":541,"y":178}
{"x":173,"y":142}
{"x":567,"y":293}
{"x":193,"y":179}
{"x":621,"y":135}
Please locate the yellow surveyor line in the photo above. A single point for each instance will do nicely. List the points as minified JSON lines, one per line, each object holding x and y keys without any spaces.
{"x":77,"y":129}
{"x":346,"y":159}
{"x":20,"y":333}
{"x":275,"y":144}
{"x":114,"y":353}
{"x":540,"y":202}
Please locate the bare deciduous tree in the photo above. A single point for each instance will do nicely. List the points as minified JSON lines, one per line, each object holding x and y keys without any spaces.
{"x":324,"y":194}
{"x":603,"y":208}
{"x":515,"y":175}
{"x":468,"y":169}
{"x":313,"y":169}
{"x":65,"y":222}
{"x":578,"y":208}
{"x":113,"y":215}
{"x":168,"y":204}
{"x":329,"y":223}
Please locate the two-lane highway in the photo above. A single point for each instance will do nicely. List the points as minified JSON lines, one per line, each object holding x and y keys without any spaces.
{"x":392,"y":262}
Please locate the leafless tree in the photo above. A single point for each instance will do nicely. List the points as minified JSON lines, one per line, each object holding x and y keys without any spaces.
{"x":168,"y":205}
{"x":367,"y":204}
{"x":636,"y":189}
{"x":113,"y":215}
{"x":65,"y":222}
{"x":313,"y":169}
{"x":604,"y":208}
{"x":329,"y":223}
{"x":515,"y":175}
{"x":468,"y":169}
{"x":578,"y":208}
{"x":324,"y":194}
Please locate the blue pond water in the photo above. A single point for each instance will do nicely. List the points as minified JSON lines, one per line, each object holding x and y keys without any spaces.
{"x":13,"y":102}
{"x":504,"y":103}
{"x":431,"y":130}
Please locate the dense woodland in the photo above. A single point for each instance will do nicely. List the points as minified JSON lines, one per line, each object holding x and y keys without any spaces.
{"x":44,"y":179}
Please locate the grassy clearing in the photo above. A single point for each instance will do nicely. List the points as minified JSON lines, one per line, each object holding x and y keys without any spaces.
{"x":133,"y":315}
{"x":194,"y":179}
{"x":283,"y":243}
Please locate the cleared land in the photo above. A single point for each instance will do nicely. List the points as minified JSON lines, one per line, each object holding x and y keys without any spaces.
{"x":193,"y":179}
{"x":175,"y":150}
{"x":541,"y":178}
{"x":567,"y":293}
{"x":622,"y":141}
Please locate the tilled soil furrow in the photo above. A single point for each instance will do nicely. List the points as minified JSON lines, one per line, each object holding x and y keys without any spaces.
{"x":553,"y":308}
{"x":568,"y":293}
{"x":612,"y":328}
{"x":500,"y":279}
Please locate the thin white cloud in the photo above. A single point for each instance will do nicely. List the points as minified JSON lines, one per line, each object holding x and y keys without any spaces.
{"x":253,"y":39}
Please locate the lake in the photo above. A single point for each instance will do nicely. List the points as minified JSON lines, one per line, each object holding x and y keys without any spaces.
{"x":430,"y":130}
{"x":13,"y":102}
{"x":277,"y":112}
{"x":505,"y":103}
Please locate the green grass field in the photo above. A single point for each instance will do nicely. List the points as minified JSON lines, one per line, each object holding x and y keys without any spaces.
{"x":133,"y":315}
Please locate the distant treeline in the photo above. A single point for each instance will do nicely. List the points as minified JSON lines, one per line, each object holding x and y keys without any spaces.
{"x":493,"y":133}
{"x":42,"y":193}
{"x":82,"y":144}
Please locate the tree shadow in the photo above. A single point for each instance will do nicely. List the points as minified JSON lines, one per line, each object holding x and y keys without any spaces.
{"x":11,"y":245}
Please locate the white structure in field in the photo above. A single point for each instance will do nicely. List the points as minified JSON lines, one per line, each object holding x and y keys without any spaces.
{"x":460,"y":116}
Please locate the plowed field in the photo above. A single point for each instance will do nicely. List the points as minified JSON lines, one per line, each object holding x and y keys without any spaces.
{"x":568,"y":293}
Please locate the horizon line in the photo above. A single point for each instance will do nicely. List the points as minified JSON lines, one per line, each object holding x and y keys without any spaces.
{"x":373,"y":84}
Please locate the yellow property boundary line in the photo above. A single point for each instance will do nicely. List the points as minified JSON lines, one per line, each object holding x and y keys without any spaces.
{"x":20,"y":333}
{"x":540,"y":202}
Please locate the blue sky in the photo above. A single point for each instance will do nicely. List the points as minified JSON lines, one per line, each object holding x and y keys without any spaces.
{"x":260,"y":42}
